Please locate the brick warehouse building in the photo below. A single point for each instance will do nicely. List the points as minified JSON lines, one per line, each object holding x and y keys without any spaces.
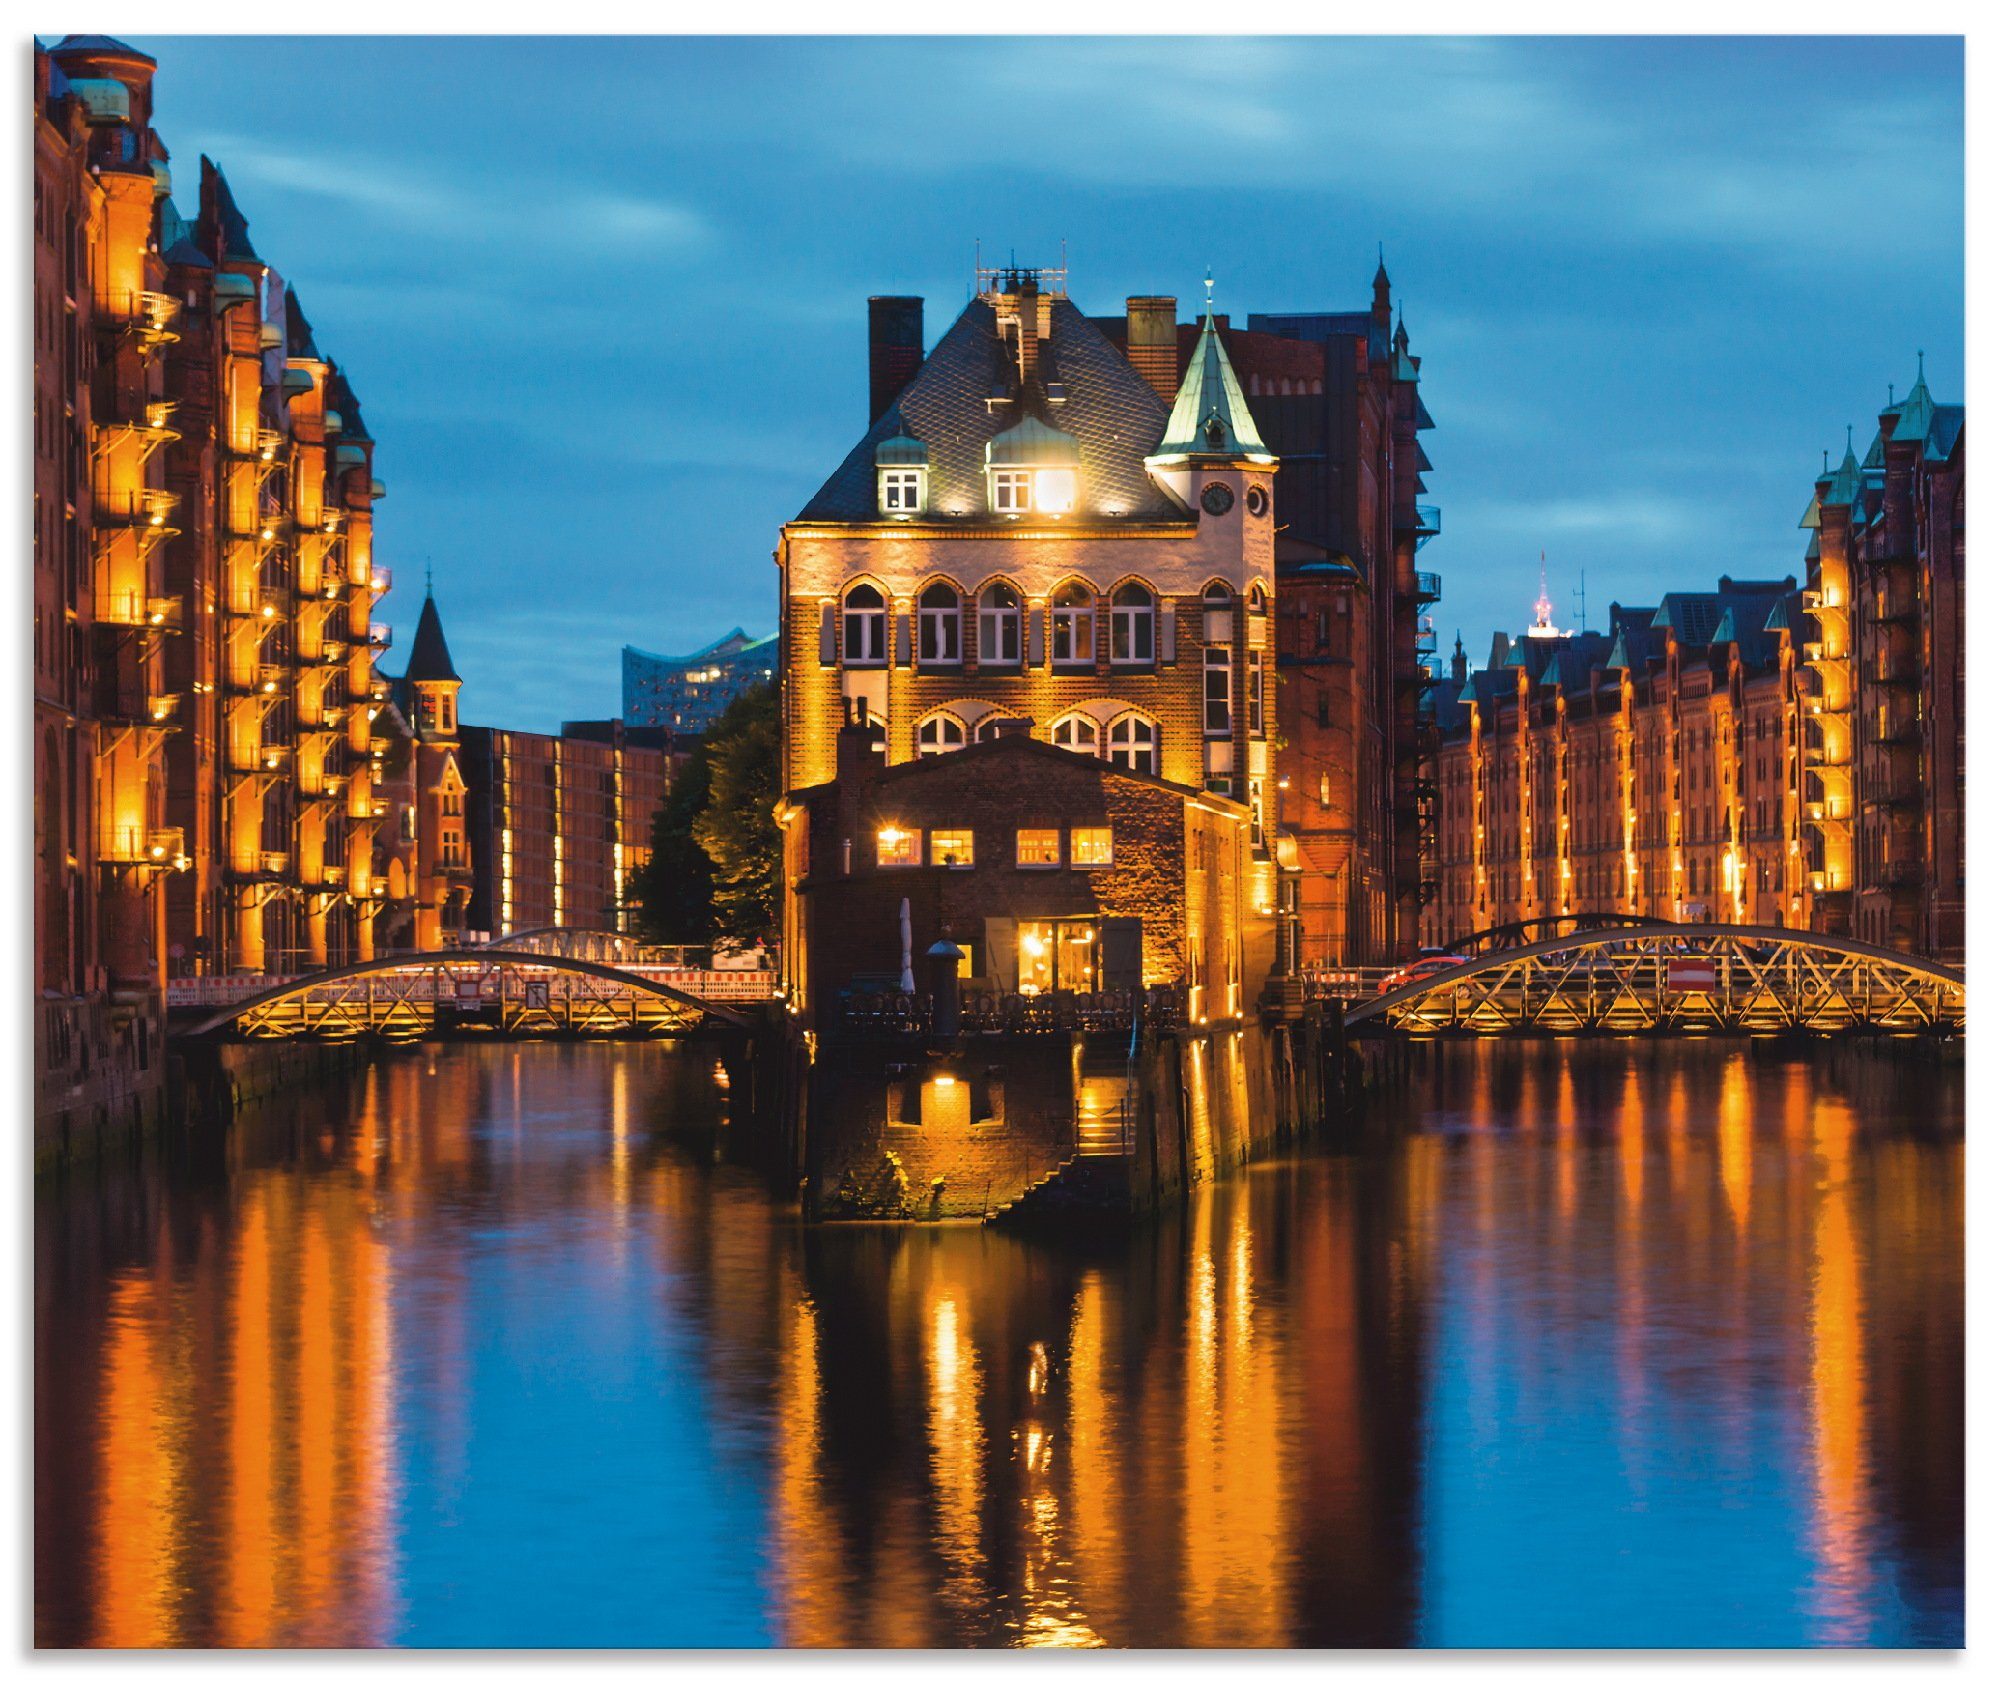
{"x":1125,"y":589}
{"x":514,"y":829}
{"x":1759,"y":753}
{"x":203,"y":585}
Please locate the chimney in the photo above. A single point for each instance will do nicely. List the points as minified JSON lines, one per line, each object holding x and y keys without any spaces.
{"x":1028,"y":327}
{"x":857,"y":750}
{"x":895,"y":350}
{"x":1151,"y":344}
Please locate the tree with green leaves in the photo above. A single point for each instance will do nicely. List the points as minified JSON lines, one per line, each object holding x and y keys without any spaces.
{"x":672,"y":894}
{"x":737,"y":829}
{"x":715,"y":864}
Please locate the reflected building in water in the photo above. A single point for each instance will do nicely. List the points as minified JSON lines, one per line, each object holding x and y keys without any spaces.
{"x":1629,"y":1325}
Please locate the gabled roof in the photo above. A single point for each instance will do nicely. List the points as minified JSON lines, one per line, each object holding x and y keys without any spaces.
{"x":969,"y":391}
{"x":234,"y":226}
{"x":1210,"y":416}
{"x":430,"y":660}
{"x":298,"y":331}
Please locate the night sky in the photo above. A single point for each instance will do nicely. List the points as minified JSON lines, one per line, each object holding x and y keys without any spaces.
{"x":604,"y":301}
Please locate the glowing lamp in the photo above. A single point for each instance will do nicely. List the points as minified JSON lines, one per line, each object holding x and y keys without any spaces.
{"x":1055,"y":490}
{"x":944,"y":1083}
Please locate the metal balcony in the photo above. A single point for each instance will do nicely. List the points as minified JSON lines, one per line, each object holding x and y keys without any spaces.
{"x":147,"y":507}
{"x":379,"y":636}
{"x":380,"y":580}
{"x":148,"y":317}
{"x":1430,"y":522}
{"x":1430,"y":588}
{"x":125,"y":844}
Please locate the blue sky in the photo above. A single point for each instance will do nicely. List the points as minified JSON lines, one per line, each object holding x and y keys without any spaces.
{"x":604,"y":301}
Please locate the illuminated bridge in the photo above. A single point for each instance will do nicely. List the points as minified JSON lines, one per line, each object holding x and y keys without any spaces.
{"x":1676,"y":978}
{"x":561,"y":982}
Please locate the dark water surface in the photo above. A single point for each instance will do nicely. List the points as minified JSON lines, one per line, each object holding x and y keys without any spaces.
{"x":1627,"y":1344}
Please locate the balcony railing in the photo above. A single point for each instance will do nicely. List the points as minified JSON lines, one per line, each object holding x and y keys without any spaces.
{"x":1430,"y":588}
{"x":137,"y":508}
{"x":274,"y":863}
{"x":380,"y":636}
{"x":380,"y":580}
{"x":130,"y":844}
{"x":1430,"y":522}
{"x":149,"y":316}
{"x":148,"y":613}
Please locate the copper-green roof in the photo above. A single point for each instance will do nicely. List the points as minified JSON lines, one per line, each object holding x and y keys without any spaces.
{"x":1210,"y":416}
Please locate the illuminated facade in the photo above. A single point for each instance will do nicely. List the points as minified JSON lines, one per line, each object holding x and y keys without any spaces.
{"x":203,"y":584}
{"x":1754,"y":754}
{"x":1651,"y":769}
{"x":685,"y":694}
{"x":1885,"y":696}
{"x":1030,"y":532}
{"x":558,"y":824}
{"x":441,"y":873}
{"x":1335,"y":397}
{"x":270,"y":776}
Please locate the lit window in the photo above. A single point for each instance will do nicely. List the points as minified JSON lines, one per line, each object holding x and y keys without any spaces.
{"x":897,"y":846}
{"x":902,"y":490}
{"x":952,"y":848}
{"x":1132,"y":614}
{"x":1256,"y":678}
{"x":1055,"y":490}
{"x":1000,"y":626}
{"x":1037,"y":848}
{"x":1215,"y":690}
{"x":1010,"y":490}
{"x":1077,"y":732}
{"x":1090,"y":847}
{"x":941,"y":733}
{"x":937,"y":626}
{"x":1072,"y":627}
{"x":1135,"y":744}
{"x":865,"y":627}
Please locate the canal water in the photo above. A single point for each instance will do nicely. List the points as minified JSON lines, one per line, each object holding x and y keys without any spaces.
{"x":1602,"y":1345}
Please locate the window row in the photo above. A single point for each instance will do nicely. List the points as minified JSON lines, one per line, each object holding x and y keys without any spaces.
{"x":1132,"y":741}
{"x":999,"y":620}
{"x":1039,"y":849}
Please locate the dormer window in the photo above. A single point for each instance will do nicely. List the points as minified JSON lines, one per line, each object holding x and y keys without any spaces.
{"x":1011,"y":490}
{"x":902,"y":473}
{"x":903,"y":491}
{"x":1032,"y":467}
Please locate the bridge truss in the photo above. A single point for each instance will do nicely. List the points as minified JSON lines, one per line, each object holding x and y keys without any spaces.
{"x":1679,"y":978}
{"x":493,"y":992}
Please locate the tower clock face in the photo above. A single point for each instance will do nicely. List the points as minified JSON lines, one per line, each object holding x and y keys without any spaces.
{"x":1217,"y":499}
{"x":1257,"y":500}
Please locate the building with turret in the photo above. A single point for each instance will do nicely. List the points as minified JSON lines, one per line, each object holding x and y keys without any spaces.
{"x":427,"y":696}
{"x":1884,"y":714}
{"x":1758,"y":753}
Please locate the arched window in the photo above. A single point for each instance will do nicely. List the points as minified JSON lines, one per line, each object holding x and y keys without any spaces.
{"x":864,"y":620}
{"x":1255,"y":599}
{"x":992,"y":727}
{"x":1077,"y":732}
{"x":941,"y":733}
{"x":937,"y":626}
{"x":1000,"y":625}
{"x":1217,"y":595}
{"x":1073,"y":626}
{"x":1135,"y":743}
{"x":1132,"y":616}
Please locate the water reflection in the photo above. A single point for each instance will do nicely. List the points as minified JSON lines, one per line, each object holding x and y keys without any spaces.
{"x":1611,"y":1346}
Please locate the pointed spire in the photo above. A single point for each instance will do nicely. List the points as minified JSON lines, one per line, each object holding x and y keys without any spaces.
{"x":1918,"y":410}
{"x":1381,"y":309}
{"x":1210,"y":416}
{"x":430,"y":659}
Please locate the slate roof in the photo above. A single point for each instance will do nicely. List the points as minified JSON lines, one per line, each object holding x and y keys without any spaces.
{"x":1107,"y":407}
{"x":430,"y":660}
{"x":340,"y":396}
{"x":235,"y":226}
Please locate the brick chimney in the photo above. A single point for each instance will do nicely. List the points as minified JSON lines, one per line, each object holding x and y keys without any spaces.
{"x":1028,"y":327}
{"x":895,"y":350}
{"x":1151,"y":344}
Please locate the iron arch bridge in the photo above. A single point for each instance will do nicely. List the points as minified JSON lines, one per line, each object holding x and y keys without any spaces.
{"x":1542,"y":929}
{"x":493,"y":991}
{"x":1679,"y":978}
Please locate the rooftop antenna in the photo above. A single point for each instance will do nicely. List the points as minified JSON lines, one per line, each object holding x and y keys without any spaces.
{"x":1582,"y":600}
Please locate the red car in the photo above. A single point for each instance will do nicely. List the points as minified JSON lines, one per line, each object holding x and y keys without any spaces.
{"x":1417,"y":970}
